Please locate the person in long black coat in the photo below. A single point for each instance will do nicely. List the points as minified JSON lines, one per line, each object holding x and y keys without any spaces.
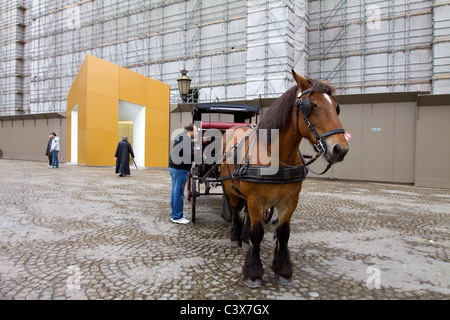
{"x":122,"y":157}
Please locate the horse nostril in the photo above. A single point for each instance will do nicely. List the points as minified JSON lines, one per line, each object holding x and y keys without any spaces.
{"x":337,"y":149}
{"x":338,"y":152}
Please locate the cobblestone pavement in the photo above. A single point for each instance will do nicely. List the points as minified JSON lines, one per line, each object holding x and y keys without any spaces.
{"x":84,"y":233}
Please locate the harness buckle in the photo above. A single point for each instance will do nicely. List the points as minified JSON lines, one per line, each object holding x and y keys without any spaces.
{"x":319,"y":146}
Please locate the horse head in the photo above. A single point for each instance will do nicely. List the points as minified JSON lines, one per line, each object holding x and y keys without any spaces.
{"x":317,"y":118}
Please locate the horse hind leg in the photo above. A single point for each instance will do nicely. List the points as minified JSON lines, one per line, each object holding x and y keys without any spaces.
{"x":282,"y":265}
{"x":246,"y":227}
{"x":237,"y":224}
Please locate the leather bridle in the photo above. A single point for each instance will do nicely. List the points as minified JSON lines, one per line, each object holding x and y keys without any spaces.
{"x":319,"y":146}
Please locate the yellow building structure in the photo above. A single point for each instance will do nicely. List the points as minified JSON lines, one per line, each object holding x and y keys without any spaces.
{"x":104,"y":95}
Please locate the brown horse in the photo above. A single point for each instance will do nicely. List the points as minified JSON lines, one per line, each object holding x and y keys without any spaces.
{"x":306,"y":110}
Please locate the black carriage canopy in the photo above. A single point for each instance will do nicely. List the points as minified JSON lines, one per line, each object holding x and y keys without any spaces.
{"x":241,"y":112}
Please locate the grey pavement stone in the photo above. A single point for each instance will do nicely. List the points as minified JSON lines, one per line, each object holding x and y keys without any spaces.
{"x":84,"y":233}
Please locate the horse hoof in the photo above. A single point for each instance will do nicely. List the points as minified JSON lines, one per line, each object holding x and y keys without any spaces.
{"x":283,"y":281}
{"x":236,"y":243}
{"x":253,"y":284}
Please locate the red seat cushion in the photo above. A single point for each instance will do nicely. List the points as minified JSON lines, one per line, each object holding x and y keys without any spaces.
{"x":220,"y":125}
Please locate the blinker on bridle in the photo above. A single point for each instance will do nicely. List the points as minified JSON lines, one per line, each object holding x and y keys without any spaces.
{"x":305,"y":106}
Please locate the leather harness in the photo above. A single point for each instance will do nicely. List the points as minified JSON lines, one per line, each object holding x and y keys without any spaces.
{"x":286,"y":174}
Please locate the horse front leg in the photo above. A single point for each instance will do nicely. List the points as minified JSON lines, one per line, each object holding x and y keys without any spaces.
{"x":282,"y":265}
{"x":253,"y":269}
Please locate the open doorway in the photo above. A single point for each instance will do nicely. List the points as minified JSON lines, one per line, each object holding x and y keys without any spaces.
{"x":126,"y":130}
{"x":132,"y":119}
{"x":74,"y":135}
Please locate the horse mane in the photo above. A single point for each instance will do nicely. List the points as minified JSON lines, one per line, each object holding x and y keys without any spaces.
{"x":321,"y":87}
{"x":280,"y":112}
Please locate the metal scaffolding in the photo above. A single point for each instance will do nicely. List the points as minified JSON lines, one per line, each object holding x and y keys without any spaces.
{"x":12,"y":57}
{"x":379,"y":46}
{"x":233,"y":49}
{"x":218,"y":42}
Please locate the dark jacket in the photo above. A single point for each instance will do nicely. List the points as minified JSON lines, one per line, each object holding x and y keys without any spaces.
{"x":49,"y":146}
{"x":123,"y":157}
{"x":178,"y":159}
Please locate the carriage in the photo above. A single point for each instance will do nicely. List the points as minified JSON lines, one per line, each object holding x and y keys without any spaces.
{"x":207,"y":173}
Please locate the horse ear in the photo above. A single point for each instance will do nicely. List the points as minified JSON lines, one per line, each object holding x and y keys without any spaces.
{"x":302,"y":82}
{"x":325,"y":82}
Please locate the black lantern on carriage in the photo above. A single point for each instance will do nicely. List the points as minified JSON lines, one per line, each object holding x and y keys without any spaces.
{"x":184,"y":84}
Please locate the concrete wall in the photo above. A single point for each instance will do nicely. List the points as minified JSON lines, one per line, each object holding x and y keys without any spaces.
{"x":396,"y":137}
{"x":394,"y":140}
{"x":25,"y":137}
{"x":382,"y":143}
{"x":432,"y":151}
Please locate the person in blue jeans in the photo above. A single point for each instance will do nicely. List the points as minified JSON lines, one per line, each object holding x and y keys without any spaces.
{"x":180,"y":163}
{"x":55,"y":150}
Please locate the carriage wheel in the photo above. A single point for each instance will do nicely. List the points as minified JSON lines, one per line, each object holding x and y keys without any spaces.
{"x":267,"y":215}
{"x":193,"y":198}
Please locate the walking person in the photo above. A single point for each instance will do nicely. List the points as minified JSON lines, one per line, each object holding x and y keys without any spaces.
{"x":122,"y":157}
{"x":48,"y":152}
{"x":180,"y":163}
{"x":55,"y":150}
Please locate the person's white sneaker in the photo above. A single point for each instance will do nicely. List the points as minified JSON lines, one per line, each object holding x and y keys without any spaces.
{"x":180,"y":221}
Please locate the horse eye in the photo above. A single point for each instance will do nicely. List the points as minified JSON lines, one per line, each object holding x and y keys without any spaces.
{"x":313,"y":105}
{"x":338,"y":110}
